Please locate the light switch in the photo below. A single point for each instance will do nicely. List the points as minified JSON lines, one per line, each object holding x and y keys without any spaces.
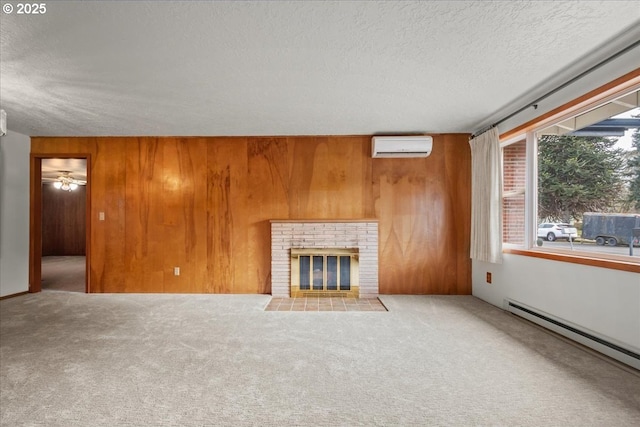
{"x":101,"y":216}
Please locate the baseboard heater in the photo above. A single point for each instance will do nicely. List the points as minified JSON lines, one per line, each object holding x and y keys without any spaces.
{"x":589,"y":339}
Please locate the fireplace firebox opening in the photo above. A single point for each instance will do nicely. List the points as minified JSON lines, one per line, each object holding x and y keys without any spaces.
{"x":325,"y":272}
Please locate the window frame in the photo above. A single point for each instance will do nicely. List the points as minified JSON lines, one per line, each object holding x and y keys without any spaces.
{"x":527,"y":131}
{"x":530,"y":189}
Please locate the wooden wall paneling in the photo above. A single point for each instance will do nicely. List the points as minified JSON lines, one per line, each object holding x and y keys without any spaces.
{"x":318,"y":197}
{"x":52,"y":214}
{"x":136,"y":222}
{"x":220,"y":220}
{"x":144,"y":228}
{"x":436,"y":263}
{"x":174,"y":224}
{"x":63,"y":145}
{"x":344,"y":178}
{"x":52,"y":220}
{"x":76,"y":225}
{"x":368,"y":201}
{"x":154,"y":264}
{"x":205,"y":204}
{"x":136,"y":215}
{"x":108,"y":180}
{"x":63,"y":221}
{"x":349,"y":177}
{"x":421,"y":219}
{"x":268,"y":197}
{"x":184,"y":214}
{"x":240,"y":207}
{"x":336,"y":180}
{"x":193,"y":166}
{"x":403,"y":212}
{"x":35,"y":224}
{"x":330,"y":178}
{"x":304,"y":159}
{"x":268,"y":176}
{"x":458,"y":176}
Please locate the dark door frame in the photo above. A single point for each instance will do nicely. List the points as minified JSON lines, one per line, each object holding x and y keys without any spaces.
{"x":35,"y":218}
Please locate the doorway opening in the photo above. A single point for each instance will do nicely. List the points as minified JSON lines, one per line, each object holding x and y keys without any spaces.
{"x":60,"y":228}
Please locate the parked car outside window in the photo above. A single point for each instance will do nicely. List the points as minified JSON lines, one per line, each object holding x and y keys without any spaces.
{"x":556,"y":230}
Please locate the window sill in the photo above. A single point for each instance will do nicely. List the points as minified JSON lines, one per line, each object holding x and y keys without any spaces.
{"x":613,"y":262}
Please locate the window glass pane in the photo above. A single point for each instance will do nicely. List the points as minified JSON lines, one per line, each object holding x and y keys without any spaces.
{"x":514,"y":160}
{"x":332,"y":273}
{"x":587,"y":181}
{"x":318,"y":263}
{"x":305,"y":266}
{"x":345,"y":273}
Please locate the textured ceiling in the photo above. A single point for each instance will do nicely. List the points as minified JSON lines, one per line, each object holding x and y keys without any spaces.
{"x":288,"y":68}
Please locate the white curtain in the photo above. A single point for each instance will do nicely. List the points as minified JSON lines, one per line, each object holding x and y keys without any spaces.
{"x":486,"y":197}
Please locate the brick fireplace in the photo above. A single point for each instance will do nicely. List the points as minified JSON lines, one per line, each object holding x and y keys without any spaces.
{"x":361,"y":236}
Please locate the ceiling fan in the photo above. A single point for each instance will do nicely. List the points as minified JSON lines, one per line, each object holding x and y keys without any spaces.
{"x":64,"y":181}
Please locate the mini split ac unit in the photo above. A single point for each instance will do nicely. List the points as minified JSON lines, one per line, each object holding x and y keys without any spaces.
{"x":401,"y":146}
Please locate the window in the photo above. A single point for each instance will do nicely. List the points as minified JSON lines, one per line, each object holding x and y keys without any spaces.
{"x":514,"y":162}
{"x":572,"y":185}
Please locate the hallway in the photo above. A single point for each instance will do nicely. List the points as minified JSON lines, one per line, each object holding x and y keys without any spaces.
{"x":63,"y":273}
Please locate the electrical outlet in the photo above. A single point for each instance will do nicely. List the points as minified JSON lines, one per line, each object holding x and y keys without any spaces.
{"x":488,"y":277}
{"x":176,"y":271}
{"x":101,"y":216}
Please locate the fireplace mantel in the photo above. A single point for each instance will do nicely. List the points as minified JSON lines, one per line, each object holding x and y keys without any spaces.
{"x":361,"y":234}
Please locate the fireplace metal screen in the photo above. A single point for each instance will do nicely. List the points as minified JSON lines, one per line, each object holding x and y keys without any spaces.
{"x":324,"y":272}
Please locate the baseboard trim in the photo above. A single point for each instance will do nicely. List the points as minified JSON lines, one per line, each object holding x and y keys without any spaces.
{"x":19,"y":294}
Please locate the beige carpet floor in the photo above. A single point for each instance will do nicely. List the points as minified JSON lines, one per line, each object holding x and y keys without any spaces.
{"x":72,"y":359}
{"x":64,"y":273}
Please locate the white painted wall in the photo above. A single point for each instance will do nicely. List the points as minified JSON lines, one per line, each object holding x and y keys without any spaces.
{"x":14,"y":213}
{"x":601,"y":300}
